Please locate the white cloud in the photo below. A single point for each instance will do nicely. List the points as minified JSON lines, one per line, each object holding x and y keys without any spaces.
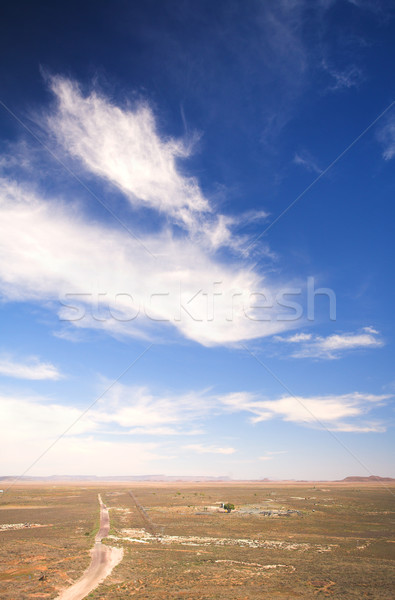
{"x":31,"y":369}
{"x":371,"y":330}
{"x":340,"y":342}
{"x":50,"y":251}
{"x":126,"y":148}
{"x":139,"y":410}
{"x":329,"y":410}
{"x":201,"y":449}
{"x":128,"y":410}
{"x":332,"y":346}
{"x":297,"y":337}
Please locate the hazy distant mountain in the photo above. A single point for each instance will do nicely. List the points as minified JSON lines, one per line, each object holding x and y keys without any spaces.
{"x":357,"y":479}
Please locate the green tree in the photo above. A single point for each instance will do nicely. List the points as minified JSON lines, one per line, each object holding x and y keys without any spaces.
{"x":229,"y":506}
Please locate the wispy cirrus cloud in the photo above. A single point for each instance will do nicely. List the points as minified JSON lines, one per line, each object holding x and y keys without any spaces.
{"x":131,"y":407}
{"x":304,"y":159}
{"x":28,"y":369}
{"x":125,"y":147}
{"x":140,"y":162}
{"x":343,"y":79}
{"x":336,"y":412}
{"x":332,"y":346}
{"x":386,"y":136}
{"x":139,"y":410}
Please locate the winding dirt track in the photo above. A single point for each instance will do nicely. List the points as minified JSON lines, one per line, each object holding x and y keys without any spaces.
{"x":104,"y":559}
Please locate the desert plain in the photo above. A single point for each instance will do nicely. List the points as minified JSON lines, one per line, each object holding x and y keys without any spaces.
{"x":174,"y":540}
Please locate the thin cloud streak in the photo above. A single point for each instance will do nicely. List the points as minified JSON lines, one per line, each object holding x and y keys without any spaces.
{"x":332,"y":346}
{"x":32,"y":369}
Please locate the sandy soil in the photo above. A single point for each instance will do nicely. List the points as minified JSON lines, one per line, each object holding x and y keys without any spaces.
{"x":104,"y":559}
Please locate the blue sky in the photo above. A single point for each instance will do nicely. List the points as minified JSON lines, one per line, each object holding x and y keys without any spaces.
{"x":197,"y":238}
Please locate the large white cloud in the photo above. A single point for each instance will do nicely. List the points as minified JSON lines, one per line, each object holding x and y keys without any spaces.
{"x":50,"y":250}
{"x":136,"y":284}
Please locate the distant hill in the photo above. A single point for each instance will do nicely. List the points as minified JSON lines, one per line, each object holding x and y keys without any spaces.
{"x":371,"y":478}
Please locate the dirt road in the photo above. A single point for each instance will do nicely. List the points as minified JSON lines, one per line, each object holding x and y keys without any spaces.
{"x":104,"y":559}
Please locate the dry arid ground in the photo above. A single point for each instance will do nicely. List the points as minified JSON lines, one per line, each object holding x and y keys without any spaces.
{"x":179,"y":544}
